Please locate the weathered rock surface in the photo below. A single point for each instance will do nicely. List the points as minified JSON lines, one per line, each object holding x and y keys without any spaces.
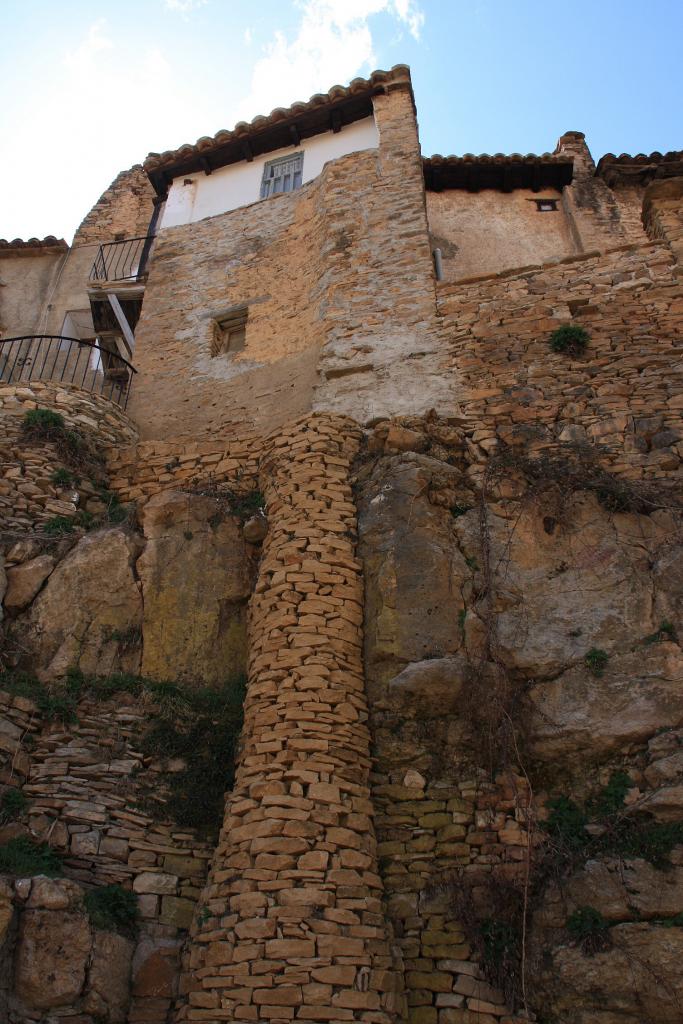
{"x":470,"y":619}
{"x":415,"y":575}
{"x":89,"y":613}
{"x":580,"y":716}
{"x":637,"y":981}
{"x":25,"y":580}
{"x":51,"y":958}
{"x":196,"y":581}
{"x":108,"y":989}
{"x":431,"y":688}
{"x":568,"y":582}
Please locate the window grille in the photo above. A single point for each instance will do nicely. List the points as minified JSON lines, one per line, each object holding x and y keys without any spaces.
{"x":282,"y":175}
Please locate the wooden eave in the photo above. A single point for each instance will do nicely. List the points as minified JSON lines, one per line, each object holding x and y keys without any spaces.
{"x":500,"y":172}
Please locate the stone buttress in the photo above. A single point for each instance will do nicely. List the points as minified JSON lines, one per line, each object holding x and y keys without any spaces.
{"x":291,"y":924}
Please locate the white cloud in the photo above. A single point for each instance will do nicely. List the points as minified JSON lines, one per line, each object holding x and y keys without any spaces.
{"x":333,"y":43}
{"x":184,"y":6}
{"x":93,"y":120}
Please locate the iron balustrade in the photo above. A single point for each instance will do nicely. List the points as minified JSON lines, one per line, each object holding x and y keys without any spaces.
{"x":85,"y":364}
{"x":125,"y":260}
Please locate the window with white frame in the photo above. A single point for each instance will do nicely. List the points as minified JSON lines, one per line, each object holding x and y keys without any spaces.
{"x":282,"y":175}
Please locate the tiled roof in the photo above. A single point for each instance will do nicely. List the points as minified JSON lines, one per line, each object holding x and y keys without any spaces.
{"x":33,"y":245}
{"x":498,"y":171}
{"x":639,"y":169}
{"x":267,"y":132}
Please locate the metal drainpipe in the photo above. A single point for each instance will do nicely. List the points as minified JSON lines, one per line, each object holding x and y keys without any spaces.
{"x":438,"y":264}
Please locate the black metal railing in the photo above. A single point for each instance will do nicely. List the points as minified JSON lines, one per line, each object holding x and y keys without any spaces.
{"x":86,"y":364}
{"x":125,"y":260}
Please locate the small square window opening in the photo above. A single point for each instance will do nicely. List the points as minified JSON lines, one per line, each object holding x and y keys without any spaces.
{"x":230,"y":333}
{"x":282,"y":175}
{"x":546,"y":205}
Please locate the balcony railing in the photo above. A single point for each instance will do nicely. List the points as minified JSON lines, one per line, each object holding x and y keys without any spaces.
{"x":86,"y":364}
{"x":125,"y":260}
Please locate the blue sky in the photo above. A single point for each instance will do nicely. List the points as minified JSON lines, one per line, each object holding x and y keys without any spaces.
{"x":90,"y":89}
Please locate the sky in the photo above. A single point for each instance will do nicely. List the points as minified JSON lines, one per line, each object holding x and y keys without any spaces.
{"x":89,"y":89}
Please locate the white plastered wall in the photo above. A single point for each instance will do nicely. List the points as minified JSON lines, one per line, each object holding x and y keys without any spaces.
{"x":240,"y":184}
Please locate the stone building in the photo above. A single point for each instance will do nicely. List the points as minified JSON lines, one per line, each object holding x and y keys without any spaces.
{"x":306,"y":324}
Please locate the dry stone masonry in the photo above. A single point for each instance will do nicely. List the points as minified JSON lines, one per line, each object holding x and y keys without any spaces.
{"x":445,"y":557}
{"x":291,"y":923}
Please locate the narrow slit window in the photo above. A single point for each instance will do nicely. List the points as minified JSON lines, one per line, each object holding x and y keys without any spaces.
{"x":282,"y":175}
{"x":230,"y":333}
{"x":546,"y":205}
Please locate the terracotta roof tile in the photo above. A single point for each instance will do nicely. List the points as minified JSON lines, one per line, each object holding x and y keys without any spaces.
{"x":31,"y":245}
{"x":639,"y":169}
{"x":243,"y":131}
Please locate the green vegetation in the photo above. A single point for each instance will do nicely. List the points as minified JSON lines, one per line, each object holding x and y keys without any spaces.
{"x":75,"y":449}
{"x":472,"y":563}
{"x":22,"y":857}
{"x":201,"y":727}
{"x":114,"y":514}
{"x":12,"y":805}
{"x":63,"y":478}
{"x":202,"y":730}
{"x":589,"y":928}
{"x":459,"y":510}
{"x":566,"y":823}
{"x":610,"y":799}
{"x":112,"y":908}
{"x":59,"y":526}
{"x":597,"y":659}
{"x":621,"y":833}
{"x":43,"y":422}
{"x":500,"y":945}
{"x":56,"y":701}
{"x":666,"y":631}
{"x":246,"y":505}
{"x":569,"y":340}
{"x":670,"y":922}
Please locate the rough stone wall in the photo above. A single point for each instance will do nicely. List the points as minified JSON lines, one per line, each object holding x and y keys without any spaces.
{"x":291,"y":923}
{"x":143,"y":470}
{"x":342,"y":263}
{"x":123,"y":210}
{"x":263,"y":256}
{"x":591,"y":207}
{"x":624,"y":392}
{"x":83,"y":781}
{"x":379,"y":313}
{"x":28,"y":494}
{"x":663,"y":214}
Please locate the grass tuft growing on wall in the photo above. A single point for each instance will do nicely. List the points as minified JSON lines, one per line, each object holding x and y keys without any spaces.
{"x":21,"y":857}
{"x":112,"y":908}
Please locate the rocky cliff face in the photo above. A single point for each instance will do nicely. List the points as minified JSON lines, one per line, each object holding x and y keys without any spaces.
{"x":100,"y":781}
{"x":523,"y":676}
{"x":524,"y":670}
